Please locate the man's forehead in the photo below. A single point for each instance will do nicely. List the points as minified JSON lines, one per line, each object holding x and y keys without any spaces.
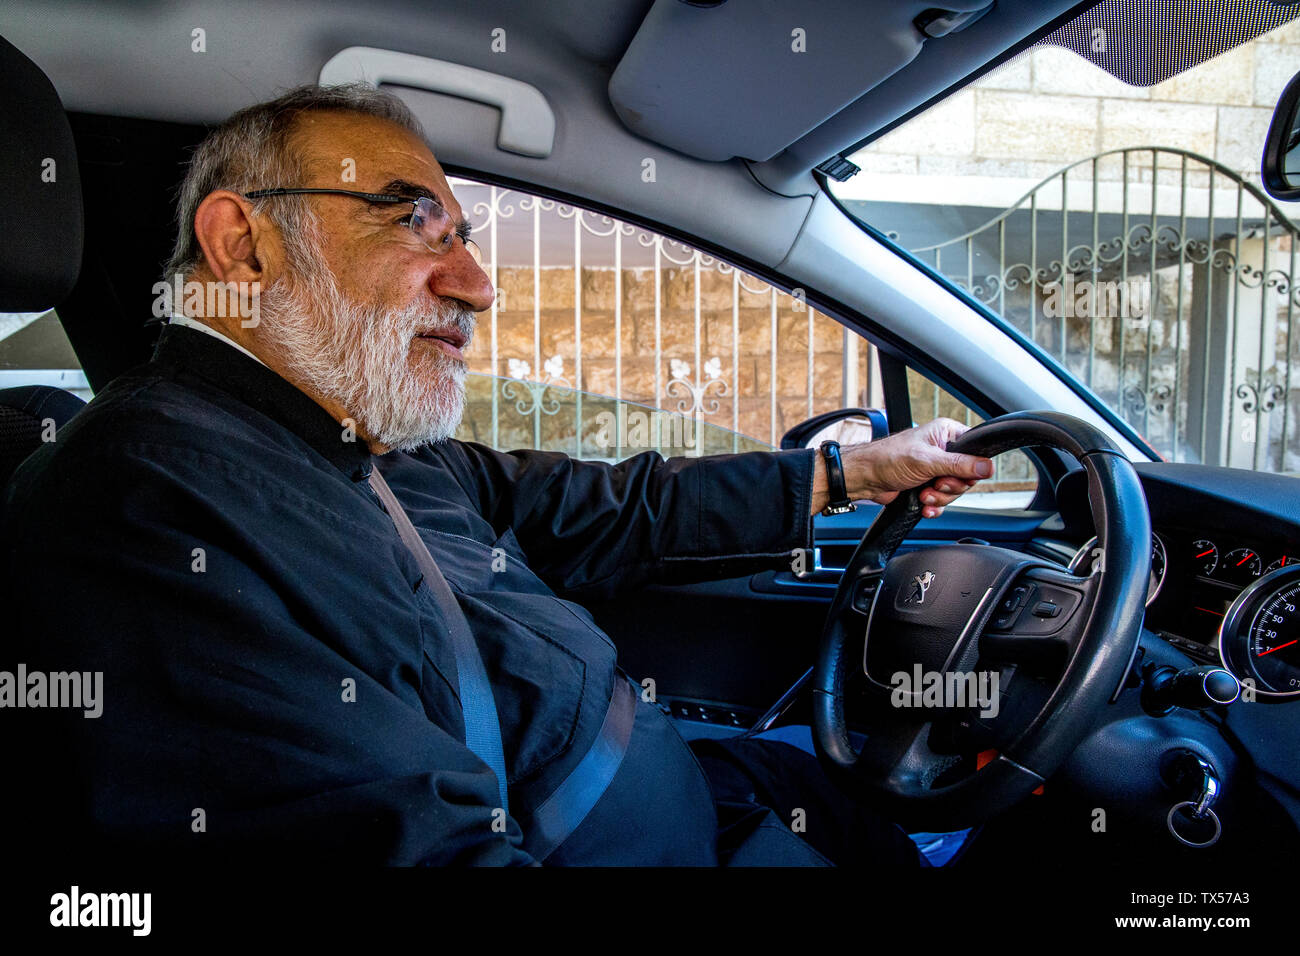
{"x":368,"y":154}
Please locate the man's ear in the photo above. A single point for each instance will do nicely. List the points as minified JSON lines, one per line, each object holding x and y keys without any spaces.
{"x":234,"y":244}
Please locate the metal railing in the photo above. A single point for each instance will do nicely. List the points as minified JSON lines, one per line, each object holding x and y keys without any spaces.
{"x":1164,"y":281}
{"x":604,"y":335}
{"x":713,"y":354}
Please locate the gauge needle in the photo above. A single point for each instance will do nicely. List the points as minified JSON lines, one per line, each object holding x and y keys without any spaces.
{"x":1244,"y":560}
{"x":1278,"y":648}
{"x":1204,"y":553}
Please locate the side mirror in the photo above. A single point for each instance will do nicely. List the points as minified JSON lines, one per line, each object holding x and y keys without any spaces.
{"x":845,"y":425}
{"x":1281,"y":164}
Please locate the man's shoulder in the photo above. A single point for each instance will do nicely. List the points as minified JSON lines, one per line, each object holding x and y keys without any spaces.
{"x":142,"y":418}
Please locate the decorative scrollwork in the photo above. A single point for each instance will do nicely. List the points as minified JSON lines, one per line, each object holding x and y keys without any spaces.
{"x":531,"y":202}
{"x":1264,"y":395}
{"x":1017,"y":275}
{"x":696,"y":391}
{"x":1159,"y":396}
{"x":530,"y":395}
{"x":1081,"y":258}
{"x":502,"y":208}
{"x":1133,"y":399}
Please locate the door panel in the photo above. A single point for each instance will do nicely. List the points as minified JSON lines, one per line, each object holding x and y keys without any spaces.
{"x":744,"y":641}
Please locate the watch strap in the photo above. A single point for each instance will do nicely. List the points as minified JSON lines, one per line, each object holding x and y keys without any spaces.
{"x":835,"y":485}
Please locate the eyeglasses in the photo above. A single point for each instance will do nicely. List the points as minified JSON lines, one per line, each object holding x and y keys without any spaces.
{"x":428,"y":220}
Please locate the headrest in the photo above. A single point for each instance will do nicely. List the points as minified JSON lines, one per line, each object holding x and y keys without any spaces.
{"x":41,"y":219}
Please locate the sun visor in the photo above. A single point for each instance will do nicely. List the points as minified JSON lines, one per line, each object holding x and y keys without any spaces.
{"x":749,"y":77}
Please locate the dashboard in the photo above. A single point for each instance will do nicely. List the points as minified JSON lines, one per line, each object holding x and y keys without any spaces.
{"x":1225,"y":571}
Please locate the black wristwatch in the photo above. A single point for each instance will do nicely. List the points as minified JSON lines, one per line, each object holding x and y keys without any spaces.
{"x":839,"y":494}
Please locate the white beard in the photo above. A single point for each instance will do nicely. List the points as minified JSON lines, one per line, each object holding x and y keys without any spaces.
{"x":364,"y":357}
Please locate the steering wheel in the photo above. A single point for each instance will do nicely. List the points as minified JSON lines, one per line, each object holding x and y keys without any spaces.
{"x":969,"y":648}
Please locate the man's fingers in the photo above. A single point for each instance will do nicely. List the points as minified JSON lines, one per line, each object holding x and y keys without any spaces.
{"x":953,"y":486}
{"x":965,"y":466}
{"x":943,"y":492}
{"x":931,"y":497}
{"x":947,"y":429}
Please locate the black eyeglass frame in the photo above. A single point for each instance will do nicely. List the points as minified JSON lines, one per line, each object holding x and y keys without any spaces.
{"x":369,"y":197}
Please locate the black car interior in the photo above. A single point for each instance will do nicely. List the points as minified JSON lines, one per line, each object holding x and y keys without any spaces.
{"x":732,"y":654}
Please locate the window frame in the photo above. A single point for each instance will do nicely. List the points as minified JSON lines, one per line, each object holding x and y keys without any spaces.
{"x":892,"y":349}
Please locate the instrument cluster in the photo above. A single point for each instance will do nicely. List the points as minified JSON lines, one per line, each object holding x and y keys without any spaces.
{"x":1225,"y":600}
{"x":1239,"y":566}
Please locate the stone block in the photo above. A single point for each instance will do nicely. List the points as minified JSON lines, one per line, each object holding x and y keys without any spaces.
{"x":1229,"y":78}
{"x":1023,"y":126}
{"x":1016,"y":74}
{"x":1242,"y":130}
{"x":947,"y":129}
{"x":1063,"y":72}
{"x":1178,"y":125}
{"x":1275,"y":64}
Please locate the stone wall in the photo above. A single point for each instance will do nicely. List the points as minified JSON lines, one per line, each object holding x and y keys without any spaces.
{"x":634,"y":351}
{"x":1050,"y":107}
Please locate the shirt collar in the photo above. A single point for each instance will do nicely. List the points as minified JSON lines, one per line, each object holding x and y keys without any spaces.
{"x":190,"y":323}
{"x":248,"y":379}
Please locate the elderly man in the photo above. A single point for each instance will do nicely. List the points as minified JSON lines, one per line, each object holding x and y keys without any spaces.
{"x":329,"y":631}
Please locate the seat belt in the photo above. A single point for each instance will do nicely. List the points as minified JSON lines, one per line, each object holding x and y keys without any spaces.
{"x":569,"y":803}
{"x":482,"y":725}
{"x":552,"y":822}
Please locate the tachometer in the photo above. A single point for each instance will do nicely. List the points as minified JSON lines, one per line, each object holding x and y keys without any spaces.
{"x":1082,"y":561}
{"x":1241,"y":566}
{"x":1260,"y":637}
{"x":1205,"y":556}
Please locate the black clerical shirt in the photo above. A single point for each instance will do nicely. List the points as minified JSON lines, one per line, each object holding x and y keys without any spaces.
{"x":277,"y":680}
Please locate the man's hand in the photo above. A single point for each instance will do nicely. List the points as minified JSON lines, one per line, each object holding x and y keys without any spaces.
{"x":878,"y":471}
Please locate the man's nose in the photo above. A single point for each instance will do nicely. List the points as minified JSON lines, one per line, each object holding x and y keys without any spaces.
{"x":457,"y":276}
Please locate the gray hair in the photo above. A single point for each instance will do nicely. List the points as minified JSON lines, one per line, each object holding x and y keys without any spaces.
{"x":251,"y":151}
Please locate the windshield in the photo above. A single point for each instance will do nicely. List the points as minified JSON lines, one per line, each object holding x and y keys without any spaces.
{"x":1122,"y":228}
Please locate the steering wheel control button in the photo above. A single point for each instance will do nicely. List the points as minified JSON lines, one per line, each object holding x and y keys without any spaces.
{"x":1009,"y":608}
{"x":1049,"y":608}
{"x":864,"y":592}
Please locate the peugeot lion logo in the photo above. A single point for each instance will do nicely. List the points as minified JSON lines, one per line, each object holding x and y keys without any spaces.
{"x":920,"y":584}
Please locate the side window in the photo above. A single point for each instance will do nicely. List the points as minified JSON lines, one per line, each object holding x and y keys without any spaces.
{"x":606,"y":340}
{"x":1015,"y":477}
{"x":35,"y":351}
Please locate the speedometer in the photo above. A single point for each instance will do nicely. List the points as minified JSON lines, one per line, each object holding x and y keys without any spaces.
{"x":1274,"y":645}
{"x":1259,"y":640}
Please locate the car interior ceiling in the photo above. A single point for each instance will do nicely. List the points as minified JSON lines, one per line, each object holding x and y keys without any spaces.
{"x":550,"y":56}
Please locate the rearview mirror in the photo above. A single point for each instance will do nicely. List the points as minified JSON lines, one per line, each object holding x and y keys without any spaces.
{"x":1281,"y":162}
